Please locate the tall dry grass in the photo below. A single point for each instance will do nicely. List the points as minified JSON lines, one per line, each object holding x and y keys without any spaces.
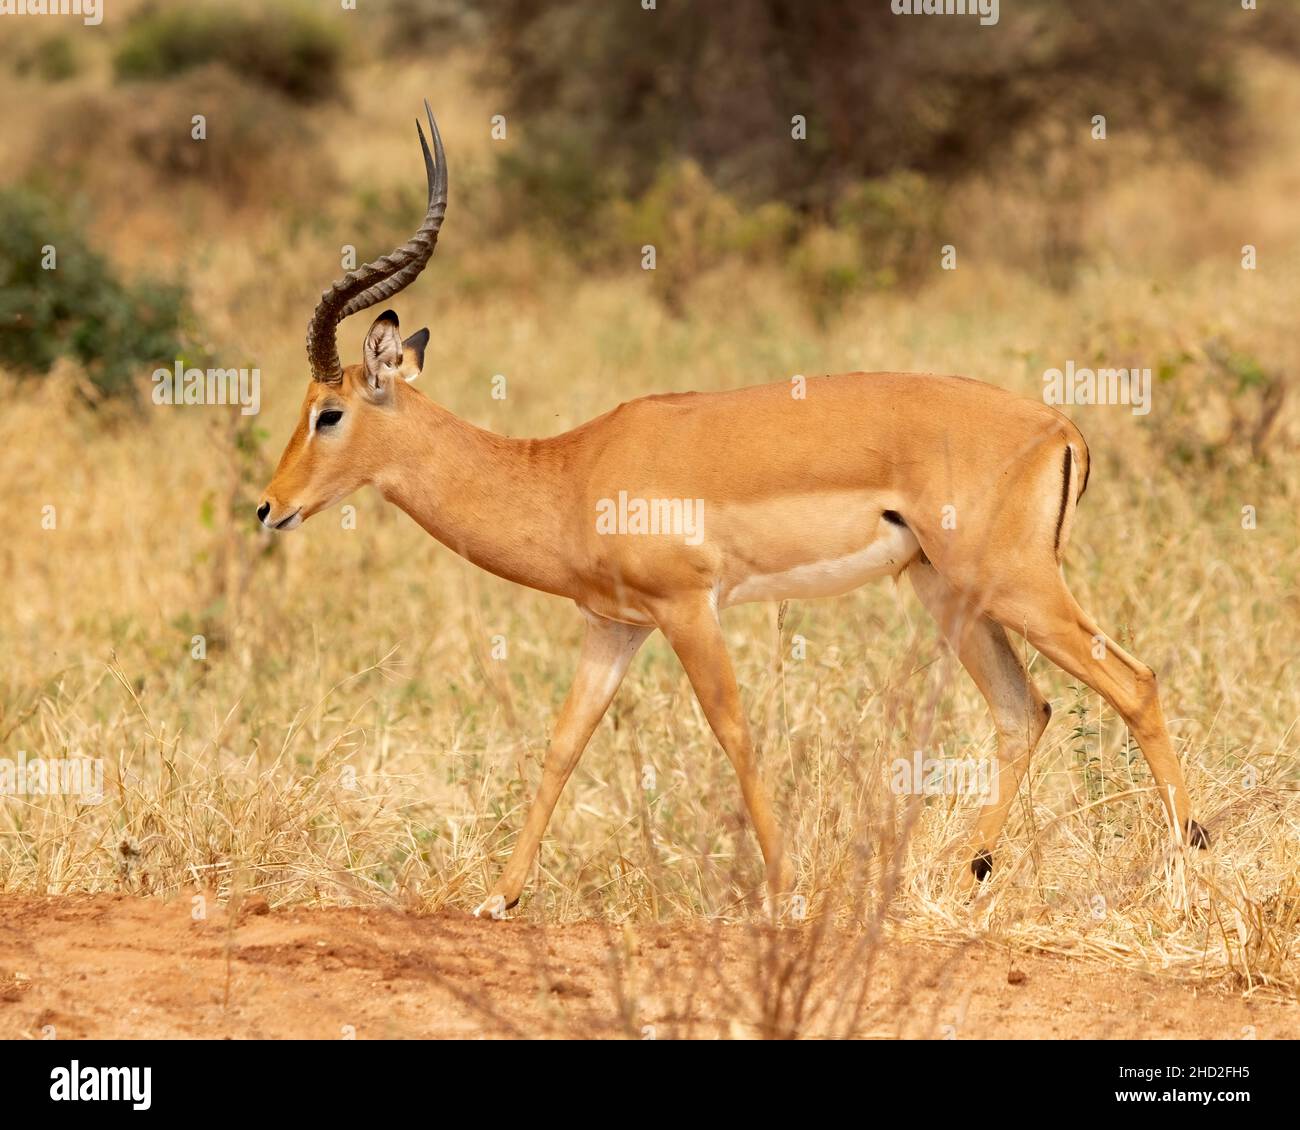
{"x":351,"y":737}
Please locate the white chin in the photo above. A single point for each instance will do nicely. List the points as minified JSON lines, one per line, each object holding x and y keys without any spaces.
{"x":292,"y":524}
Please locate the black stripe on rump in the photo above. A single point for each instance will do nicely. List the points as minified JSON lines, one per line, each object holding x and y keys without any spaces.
{"x":1065,"y":496}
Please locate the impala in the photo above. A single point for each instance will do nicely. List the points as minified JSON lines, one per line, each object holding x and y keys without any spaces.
{"x":801,"y":491}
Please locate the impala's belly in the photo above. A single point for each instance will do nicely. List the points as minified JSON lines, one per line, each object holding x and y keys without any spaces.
{"x":884,"y":552}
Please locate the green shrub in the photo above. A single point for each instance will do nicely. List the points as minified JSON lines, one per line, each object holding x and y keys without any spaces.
{"x":81,"y":308}
{"x":564,"y":186}
{"x":53,"y":59}
{"x":897,"y":220}
{"x":284,"y":47}
{"x":827,"y":265}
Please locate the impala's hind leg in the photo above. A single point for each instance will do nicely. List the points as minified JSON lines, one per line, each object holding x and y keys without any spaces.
{"x":1048,"y":616}
{"x":1020,"y":712}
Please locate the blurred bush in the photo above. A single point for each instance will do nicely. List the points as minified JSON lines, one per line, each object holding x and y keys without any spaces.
{"x":895,"y":219}
{"x":827,"y":266}
{"x":118,"y":330}
{"x":688,"y":222}
{"x":428,"y":25}
{"x":286,"y":47}
{"x":608,"y":91}
{"x":257,"y":149}
{"x":615,"y":102}
{"x":52,"y":60}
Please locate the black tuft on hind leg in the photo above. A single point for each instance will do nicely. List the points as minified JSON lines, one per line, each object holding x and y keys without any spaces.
{"x":1197,"y":836}
{"x":982,"y":865}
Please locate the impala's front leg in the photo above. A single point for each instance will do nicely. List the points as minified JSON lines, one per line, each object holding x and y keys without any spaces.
{"x":696,"y":636}
{"x":607,"y":649}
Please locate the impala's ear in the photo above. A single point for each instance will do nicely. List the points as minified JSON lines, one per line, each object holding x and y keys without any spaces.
{"x":413,"y":354}
{"x":382,"y":353}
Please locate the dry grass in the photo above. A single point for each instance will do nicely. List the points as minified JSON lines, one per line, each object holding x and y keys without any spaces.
{"x":349,"y":737}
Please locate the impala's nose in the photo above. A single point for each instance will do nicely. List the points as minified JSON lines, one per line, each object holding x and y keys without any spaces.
{"x":263,"y":511}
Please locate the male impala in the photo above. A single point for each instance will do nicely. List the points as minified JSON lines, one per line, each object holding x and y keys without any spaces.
{"x":966,"y":488}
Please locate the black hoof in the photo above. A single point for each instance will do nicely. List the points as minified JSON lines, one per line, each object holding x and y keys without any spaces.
{"x":982,"y":865}
{"x":1197,"y":836}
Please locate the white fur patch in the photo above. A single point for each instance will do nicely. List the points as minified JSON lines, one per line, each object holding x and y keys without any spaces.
{"x":885,"y":556}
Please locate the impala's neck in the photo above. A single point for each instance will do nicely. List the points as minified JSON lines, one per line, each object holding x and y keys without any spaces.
{"x":495,"y":501}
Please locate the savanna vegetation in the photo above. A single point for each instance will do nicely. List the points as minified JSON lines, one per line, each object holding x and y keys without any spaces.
{"x":352,"y":714}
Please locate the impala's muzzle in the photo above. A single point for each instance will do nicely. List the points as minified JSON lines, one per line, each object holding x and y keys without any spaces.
{"x":279,"y":518}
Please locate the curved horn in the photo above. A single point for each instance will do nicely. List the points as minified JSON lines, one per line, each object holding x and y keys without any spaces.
{"x":372,"y":282}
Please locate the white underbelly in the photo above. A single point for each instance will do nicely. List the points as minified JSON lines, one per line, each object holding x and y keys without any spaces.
{"x":886,"y":556}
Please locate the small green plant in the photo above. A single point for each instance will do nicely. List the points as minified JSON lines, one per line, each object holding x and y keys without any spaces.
{"x":1085,"y":741}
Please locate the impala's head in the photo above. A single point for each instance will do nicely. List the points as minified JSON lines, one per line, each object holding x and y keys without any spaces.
{"x":343,"y":433}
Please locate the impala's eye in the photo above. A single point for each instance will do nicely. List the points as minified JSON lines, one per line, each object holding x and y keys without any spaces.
{"x":328,"y":418}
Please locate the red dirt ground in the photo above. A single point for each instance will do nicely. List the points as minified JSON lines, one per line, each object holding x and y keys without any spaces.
{"x":120,"y":967}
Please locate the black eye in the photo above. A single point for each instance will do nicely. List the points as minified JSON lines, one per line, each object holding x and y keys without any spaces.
{"x":328,"y":418}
